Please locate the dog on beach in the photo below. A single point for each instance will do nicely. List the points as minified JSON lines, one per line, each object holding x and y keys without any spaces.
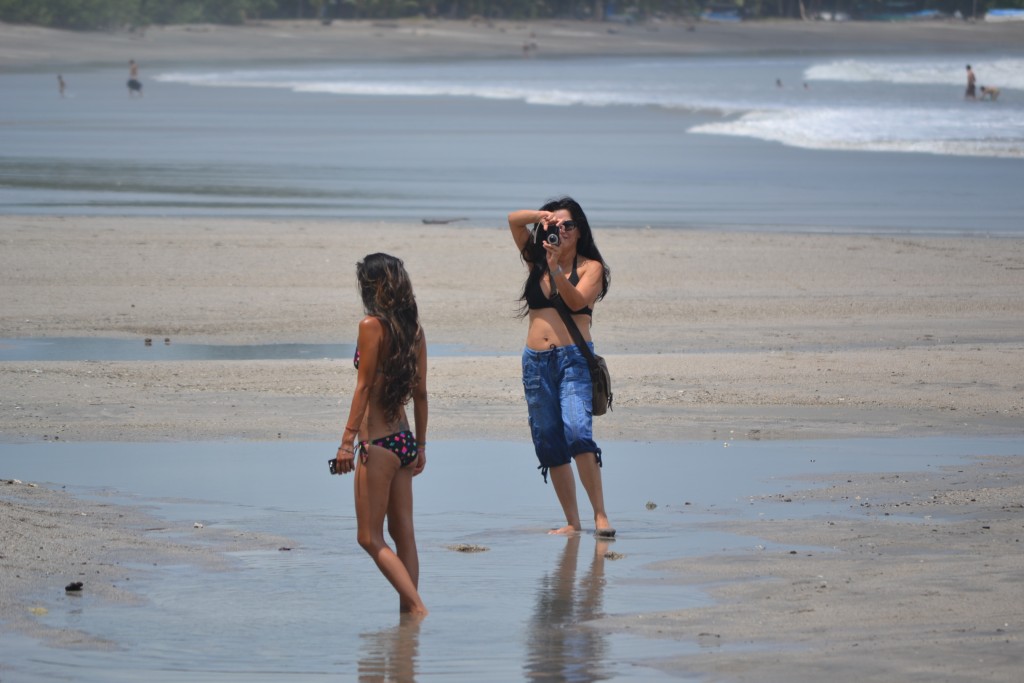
{"x":988,"y":92}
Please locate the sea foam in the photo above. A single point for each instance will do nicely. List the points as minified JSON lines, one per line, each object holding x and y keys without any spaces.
{"x":879,"y":130}
{"x":1001,"y":73}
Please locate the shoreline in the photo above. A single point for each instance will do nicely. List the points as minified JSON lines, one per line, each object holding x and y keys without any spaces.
{"x":29,"y":48}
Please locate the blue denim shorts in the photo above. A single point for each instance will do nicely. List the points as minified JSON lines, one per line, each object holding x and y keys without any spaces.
{"x":559,"y":397}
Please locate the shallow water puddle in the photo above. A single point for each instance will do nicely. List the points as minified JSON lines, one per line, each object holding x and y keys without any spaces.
{"x":321,"y":611}
{"x":166,"y":349}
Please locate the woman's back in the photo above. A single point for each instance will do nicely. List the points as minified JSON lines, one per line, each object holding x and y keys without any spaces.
{"x":380,"y":420}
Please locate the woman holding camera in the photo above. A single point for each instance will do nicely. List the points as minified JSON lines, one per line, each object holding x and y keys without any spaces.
{"x":391,"y":363}
{"x":562,"y":261}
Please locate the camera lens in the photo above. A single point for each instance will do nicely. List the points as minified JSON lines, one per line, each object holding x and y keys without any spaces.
{"x":553,"y":239}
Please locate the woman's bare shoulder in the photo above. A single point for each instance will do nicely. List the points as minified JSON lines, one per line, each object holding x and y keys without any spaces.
{"x":584,"y":264}
{"x":371,"y":325}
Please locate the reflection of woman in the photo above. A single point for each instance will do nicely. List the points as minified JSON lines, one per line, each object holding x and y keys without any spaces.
{"x":390,"y":655}
{"x":556,"y":377}
{"x":391,"y":359}
{"x":560,"y":649}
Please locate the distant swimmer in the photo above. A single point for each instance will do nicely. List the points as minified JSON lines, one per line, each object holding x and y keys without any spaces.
{"x":990,"y":93}
{"x":134,"y":84}
{"x":969,"y":94}
{"x":778,"y":82}
{"x":61,"y":84}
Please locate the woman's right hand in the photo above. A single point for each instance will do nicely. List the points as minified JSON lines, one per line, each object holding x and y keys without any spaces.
{"x":519,"y":222}
{"x":546,"y":217}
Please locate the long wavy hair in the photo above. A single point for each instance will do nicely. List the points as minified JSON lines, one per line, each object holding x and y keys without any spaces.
{"x":585,"y":245}
{"x":387,"y":295}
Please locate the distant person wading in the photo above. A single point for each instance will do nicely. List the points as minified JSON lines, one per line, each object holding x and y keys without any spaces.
{"x":134,"y":84}
{"x":969,"y":93}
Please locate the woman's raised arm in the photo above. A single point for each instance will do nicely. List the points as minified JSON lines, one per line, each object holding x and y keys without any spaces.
{"x":519,"y":221}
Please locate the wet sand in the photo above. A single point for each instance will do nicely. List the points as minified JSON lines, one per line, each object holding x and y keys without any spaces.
{"x":53,"y":539}
{"x":915,"y":578}
{"x":708,"y":336}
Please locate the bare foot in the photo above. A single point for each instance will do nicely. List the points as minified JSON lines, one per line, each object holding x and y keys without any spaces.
{"x":601,"y":524}
{"x":414,"y":612}
{"x":411,"y":619}
{"x":567,"y":530}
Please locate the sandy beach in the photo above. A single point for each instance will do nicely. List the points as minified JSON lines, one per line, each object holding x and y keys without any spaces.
{"x":29,"y":48}
{"x":708,"y":336}
{"x":743,"y":336}
{"x":762,"y":336}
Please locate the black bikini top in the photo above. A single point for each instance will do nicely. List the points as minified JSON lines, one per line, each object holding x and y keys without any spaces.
{"x":535,"y":298}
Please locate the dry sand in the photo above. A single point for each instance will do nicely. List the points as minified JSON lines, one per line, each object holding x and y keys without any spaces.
{"x":766,"y":336}
{"x":707,"y":335}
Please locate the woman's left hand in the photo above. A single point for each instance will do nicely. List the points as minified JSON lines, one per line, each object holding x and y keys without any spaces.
{"x":345,"y":459}
{"x":554,"y":252}
{"x":421,"y":461}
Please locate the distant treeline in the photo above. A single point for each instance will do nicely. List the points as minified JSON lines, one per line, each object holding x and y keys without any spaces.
{"x":118,"y":14}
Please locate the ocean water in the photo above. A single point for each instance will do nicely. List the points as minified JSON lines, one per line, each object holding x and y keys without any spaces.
{"x":850,"y":104}
{"x":518,"y":611}
{"x":851,"y":144}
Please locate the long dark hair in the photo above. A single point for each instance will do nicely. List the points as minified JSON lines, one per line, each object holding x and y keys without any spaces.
{"x":585,"y":245}
{"x":387,"y":295}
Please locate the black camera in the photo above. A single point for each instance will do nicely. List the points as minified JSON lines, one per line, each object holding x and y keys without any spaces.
{"x":333,"y":464}
{"x":543,"y":233}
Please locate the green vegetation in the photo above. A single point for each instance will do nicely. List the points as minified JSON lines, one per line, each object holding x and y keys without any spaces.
{"x":118,"y":14}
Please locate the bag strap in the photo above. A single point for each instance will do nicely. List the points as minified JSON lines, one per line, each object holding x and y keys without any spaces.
{"x":577,"y":336}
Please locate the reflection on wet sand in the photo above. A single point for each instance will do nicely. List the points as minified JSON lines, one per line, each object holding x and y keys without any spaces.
{"x":560,"y":649}
{"x":390,"y":655}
